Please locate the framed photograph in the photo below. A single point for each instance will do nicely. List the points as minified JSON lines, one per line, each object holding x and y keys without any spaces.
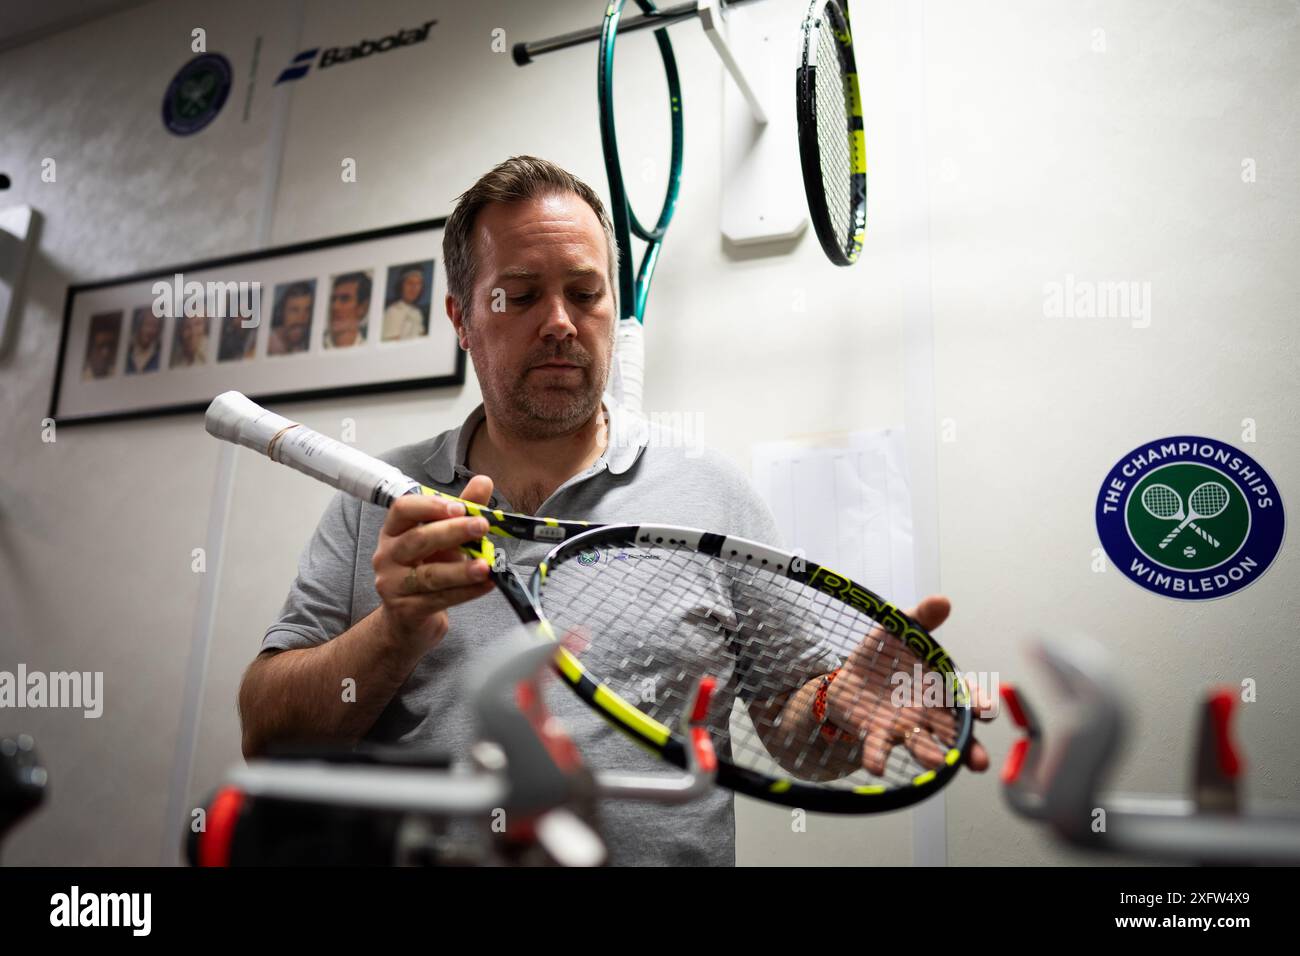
{"x":346,"y":315}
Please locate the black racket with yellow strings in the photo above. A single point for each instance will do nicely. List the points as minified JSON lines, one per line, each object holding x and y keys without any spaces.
{"x":828,"y":696}
{"x":832,"y":141}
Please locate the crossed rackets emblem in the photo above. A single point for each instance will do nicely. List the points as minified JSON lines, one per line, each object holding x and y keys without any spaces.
{"x":1207,"y":500}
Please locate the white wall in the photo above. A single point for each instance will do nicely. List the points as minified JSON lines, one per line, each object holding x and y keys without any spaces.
{"x":1118,"y":165}
{"x":1042,"y":158}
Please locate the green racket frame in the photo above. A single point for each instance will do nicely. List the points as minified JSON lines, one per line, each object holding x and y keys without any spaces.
{"x":633,"y":293}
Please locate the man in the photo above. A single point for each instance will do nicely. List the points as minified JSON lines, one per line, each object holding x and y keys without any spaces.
{"x":349,"y":306}
{"x":191,"y":345}
{"x":101,"y":345}
{"x":404,"y":319}
{"x":291,"y":323}
{"x":237,"y":342}
{"x":385,"y":599}
{"x":145,"y":353}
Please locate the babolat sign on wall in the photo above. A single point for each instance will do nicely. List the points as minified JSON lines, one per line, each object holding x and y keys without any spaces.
{"x":1190,"y":517}
{"x":335,"y":55}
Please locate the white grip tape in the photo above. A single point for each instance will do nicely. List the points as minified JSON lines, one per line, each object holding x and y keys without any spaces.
{"x":236,"y":418}
{"x":631,"y":362}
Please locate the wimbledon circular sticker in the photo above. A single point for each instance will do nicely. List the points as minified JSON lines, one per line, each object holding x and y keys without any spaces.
{"x":1190,"y":518}
{"x":196,"y":94}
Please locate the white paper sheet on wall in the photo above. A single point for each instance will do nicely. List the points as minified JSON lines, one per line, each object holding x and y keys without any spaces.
{"x":845,"y":504}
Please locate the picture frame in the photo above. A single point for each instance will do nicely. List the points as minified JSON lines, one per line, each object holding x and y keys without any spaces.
{"x":345,"y":315}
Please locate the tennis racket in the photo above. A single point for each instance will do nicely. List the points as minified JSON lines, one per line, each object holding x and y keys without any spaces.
{"x":1207,"y":500}
{"x":828,"y":697}
{"x":832,"y":142}
{"x":635,"y":290}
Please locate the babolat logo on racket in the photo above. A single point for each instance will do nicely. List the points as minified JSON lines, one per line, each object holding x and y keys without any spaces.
{"x":884,"y":613}
{"x":1190,"y":517}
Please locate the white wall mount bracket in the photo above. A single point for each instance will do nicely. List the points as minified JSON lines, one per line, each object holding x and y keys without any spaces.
{"x":18,"y":226}
{"x":762,"y":185}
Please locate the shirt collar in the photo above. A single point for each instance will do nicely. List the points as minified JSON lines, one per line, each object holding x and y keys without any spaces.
{"x":628,"y":437}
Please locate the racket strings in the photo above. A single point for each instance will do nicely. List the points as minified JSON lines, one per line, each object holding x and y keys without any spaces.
{"x":834,"y":133}
{"x":1162,"y":501}
{"x":651,"y":621}
{"x":807,"y":755}
{"x":1209,"y":499}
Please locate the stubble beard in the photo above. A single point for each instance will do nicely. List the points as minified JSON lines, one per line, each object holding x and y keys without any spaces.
{"x":532,"y":410}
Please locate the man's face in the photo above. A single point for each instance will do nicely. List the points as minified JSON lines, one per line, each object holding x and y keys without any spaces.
{"x":192,"y":330}
{"x":412,"y":286}
{"x":297,"y":319}
{"x":148,"y":330}
{"x":103,"y":346}
{"x":543,"y":359}
{"x":346,"y":313}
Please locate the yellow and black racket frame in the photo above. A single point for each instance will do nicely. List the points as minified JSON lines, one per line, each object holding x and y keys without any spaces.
{"x":576,"y":537}
{"x":841,"y":252}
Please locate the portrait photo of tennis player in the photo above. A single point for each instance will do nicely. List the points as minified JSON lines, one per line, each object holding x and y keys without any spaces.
{"x":406,"y":304}
{"x":349,"y":310}
{"x":237,"y":342}
{"x":190,"y":342}
{"x":291,"y":317}
{"x":101,"y":345}
{"x":144,"y":350}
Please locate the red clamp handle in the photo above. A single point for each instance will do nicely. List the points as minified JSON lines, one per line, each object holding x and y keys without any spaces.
{"x":1021,"y":717}
{"x":1220,"y":707}
{"x":218,"y":836}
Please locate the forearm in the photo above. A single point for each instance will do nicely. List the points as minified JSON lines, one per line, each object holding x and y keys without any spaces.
{"x":300,"y":695}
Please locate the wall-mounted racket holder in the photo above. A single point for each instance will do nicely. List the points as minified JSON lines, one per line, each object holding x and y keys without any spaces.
{"x":18,"y":228}
{"x":761,"y":201}
{"x":1061,"y":786}
{"x":525,"y":799}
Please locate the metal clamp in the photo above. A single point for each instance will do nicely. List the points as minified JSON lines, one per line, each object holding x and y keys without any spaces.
{"x":523,"y":763}
{"x":1214,"y":826}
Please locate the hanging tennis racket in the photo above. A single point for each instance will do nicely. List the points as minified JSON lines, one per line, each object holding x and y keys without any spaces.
{"x":635,"y":290}
{"x":832,"y":143}
{"x":828,"y":696}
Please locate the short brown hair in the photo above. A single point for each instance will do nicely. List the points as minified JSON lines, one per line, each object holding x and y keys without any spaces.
{"x":517,"y":179}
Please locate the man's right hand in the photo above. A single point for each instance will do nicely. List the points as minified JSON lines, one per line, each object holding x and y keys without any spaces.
{"x":420,"y":570}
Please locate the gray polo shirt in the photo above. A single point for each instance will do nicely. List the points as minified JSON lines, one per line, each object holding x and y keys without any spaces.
{"x":647,"y":474}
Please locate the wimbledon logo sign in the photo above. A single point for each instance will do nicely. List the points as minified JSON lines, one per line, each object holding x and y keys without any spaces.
{"x":1190,"y":518}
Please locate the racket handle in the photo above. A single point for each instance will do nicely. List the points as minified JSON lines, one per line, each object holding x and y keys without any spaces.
{"x":235,"y":418}
{"x":1172,"y":534}
{"x":630,"y":352}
